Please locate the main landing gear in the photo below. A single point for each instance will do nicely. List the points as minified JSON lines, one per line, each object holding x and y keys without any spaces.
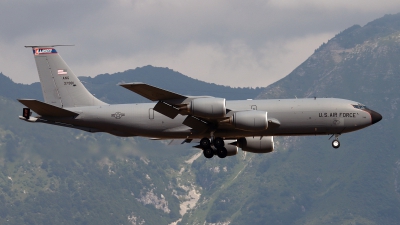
{"x":336,"y":142}
{"x":217,"y":148}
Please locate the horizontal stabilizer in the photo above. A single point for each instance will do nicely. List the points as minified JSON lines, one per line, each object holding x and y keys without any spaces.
{"x":45,"y":109}
{"x":151,"y":92}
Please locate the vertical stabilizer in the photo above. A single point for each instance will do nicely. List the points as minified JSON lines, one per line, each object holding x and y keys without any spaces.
{"x":60,"y":86}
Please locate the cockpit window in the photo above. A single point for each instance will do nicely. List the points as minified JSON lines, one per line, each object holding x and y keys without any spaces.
{"x":359,"y":106}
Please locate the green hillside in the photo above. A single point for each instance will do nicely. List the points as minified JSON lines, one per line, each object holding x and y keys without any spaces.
{"x":51,"y":175}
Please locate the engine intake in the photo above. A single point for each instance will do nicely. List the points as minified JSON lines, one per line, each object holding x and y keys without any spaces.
{"x":256,"y":144}
{"x":208,"y":107}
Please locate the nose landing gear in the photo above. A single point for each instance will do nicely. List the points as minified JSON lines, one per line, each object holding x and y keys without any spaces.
{"x":336,"y":142}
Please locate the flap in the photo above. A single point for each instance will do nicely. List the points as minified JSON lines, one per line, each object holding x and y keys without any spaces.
{"x":166,"y":109}
{"x":45,"y":109}
{"x":198,"y":125}
{"x":151,"y":92}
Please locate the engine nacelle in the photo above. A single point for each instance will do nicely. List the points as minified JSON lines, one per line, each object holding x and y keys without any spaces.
{"x":251,"y":120}
{"x":208,"y":107}
{"x":256,"y":144}
{"x":232,"y":150}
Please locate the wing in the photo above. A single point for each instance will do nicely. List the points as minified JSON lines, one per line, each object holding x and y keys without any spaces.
{"x":168,"y":101}
{"x":151,"y":92}
{"x":204,"y":113}
{"x":171,"y":104}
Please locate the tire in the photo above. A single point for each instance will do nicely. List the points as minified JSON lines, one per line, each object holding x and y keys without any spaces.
{"x":205,"y":143}
{"x":335,"y":144}
{"x":218,"y":142}
{"x":208,"y":153}
{"x":222,"y":152}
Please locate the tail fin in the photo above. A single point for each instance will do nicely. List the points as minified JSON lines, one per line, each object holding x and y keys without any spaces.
{"x":60,"y":86}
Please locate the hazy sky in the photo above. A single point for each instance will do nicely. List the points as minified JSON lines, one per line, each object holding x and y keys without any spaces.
{"x":230,"y":42}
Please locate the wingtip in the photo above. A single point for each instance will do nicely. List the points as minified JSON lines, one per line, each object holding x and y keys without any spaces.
{"x":132,"y":83}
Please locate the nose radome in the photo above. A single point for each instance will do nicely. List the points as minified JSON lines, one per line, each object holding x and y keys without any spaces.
{"x":375,"y":117}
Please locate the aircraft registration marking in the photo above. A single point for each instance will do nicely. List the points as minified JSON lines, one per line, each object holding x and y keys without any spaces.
{"x":69,"y":83}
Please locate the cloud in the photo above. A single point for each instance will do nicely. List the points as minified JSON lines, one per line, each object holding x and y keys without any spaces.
{"x":210,"y":62}
{"x":231,"y":42}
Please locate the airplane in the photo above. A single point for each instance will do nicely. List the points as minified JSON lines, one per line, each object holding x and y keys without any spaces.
{"x":219,"y":125}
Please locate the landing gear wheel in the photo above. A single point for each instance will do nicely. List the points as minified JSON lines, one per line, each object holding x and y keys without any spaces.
{"x":208,"y":153}
{"x":205,"y":143}
{"x":222,"y":152}
{"x":335,"y":144}
{"x":218,"y":142}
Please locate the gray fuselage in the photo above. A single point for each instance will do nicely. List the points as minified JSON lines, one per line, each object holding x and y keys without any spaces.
{"x":296,"y":117}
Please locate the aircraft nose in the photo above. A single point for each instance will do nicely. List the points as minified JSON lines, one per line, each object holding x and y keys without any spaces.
{"x":375,"y":117}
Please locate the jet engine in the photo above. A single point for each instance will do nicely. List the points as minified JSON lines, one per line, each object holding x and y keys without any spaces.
{"x":251,"y":120}
{"x":256,"y":144}
{"x":208,"y":107}
{"x":232,"y":150}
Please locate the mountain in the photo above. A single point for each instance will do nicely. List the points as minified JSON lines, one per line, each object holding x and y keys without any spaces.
{"x":306,"y":181}
{"x":105,"y":86}
{"x":53,"y":175}
{"x":11,"y":90}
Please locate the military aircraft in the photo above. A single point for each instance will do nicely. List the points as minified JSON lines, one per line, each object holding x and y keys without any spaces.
{"x":220,"y":126}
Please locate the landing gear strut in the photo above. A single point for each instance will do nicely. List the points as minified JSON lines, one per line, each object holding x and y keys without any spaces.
{"x":217,"y":149}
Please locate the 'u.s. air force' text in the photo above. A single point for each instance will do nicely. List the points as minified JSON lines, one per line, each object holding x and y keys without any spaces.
{"x":337,"y":114}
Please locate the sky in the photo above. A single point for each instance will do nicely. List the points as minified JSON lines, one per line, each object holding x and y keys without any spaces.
{"x":230,"y":42}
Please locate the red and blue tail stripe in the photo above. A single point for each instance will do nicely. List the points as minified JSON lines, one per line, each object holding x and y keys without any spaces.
{"x":40,"y":51}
